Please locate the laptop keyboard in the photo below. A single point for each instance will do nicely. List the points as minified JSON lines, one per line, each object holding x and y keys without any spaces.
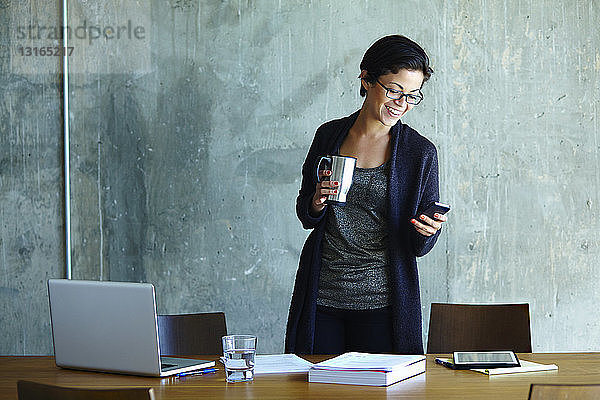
{"x":164,"y":366}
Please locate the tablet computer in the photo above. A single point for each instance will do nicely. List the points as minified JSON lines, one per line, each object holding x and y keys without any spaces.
{"x":485,"y":359}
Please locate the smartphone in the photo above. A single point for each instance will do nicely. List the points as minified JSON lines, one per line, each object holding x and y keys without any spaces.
{"x":436,"y":207}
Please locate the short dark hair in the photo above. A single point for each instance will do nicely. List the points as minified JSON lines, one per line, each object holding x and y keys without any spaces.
{"x":390,"y":54}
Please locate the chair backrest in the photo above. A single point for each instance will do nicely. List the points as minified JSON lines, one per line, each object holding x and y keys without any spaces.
{"x":191,"y":334}
{"x":567,"y":392}
{"x":28,"y":390}
{"x":478,"y":327}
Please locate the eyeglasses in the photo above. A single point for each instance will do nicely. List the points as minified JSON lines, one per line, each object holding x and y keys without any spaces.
{"x":394,"y":94}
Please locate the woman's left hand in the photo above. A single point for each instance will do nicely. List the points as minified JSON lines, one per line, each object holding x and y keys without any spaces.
{"x":428,"y":226}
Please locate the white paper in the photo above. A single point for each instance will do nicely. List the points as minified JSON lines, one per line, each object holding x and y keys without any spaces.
{"x":280,"y":364}
{"x":526,"y":366}
{"x":366,"y":361}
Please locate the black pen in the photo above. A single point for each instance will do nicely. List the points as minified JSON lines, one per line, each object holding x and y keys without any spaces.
{"x":445,"y":363}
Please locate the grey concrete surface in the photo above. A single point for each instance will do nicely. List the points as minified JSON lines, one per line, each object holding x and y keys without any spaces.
{"x":31,"y":193}
{"x":188,"y":138}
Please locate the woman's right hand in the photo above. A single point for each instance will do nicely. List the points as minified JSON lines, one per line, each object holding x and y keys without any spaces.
{"x":323,"y":189}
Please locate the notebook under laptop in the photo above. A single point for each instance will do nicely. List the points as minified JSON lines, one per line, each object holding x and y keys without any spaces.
{"x":110,"y":327}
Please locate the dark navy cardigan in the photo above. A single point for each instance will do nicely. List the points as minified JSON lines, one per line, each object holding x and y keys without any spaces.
{"x":413,"y":185}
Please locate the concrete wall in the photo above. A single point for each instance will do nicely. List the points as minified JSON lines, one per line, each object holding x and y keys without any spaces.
{"x":31,"y":186}
{"x":189,"y":133}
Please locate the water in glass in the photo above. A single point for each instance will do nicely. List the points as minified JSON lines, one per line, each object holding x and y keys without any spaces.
{"x":239,"y":365}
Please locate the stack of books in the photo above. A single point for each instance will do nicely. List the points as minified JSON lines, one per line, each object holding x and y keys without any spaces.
{"x":367,"y":369}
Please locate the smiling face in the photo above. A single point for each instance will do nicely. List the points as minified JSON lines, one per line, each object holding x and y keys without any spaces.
{"x":383,"y":109}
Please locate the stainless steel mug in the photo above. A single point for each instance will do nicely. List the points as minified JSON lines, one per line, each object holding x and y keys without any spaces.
{"x":342,"y":170}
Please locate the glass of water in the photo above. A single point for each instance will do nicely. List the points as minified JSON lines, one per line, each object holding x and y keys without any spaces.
{"x":238,"y":354}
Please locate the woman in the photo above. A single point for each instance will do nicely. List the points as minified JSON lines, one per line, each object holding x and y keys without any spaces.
{"x":357,"y":284}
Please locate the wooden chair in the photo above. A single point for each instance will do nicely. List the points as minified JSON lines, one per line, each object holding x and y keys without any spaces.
{"x":191,"y":334}
{"x":28,"y":390}
{"x":474,"y":327}
{"x":538,"y":391}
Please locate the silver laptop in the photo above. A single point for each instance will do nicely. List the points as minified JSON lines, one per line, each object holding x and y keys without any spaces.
{"x":110,"y":327}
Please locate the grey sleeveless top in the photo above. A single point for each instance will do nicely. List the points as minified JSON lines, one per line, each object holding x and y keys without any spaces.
{"x":354,"y":268}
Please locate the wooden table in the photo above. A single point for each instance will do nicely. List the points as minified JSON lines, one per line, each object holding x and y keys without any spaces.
{"x":437,"y":383}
